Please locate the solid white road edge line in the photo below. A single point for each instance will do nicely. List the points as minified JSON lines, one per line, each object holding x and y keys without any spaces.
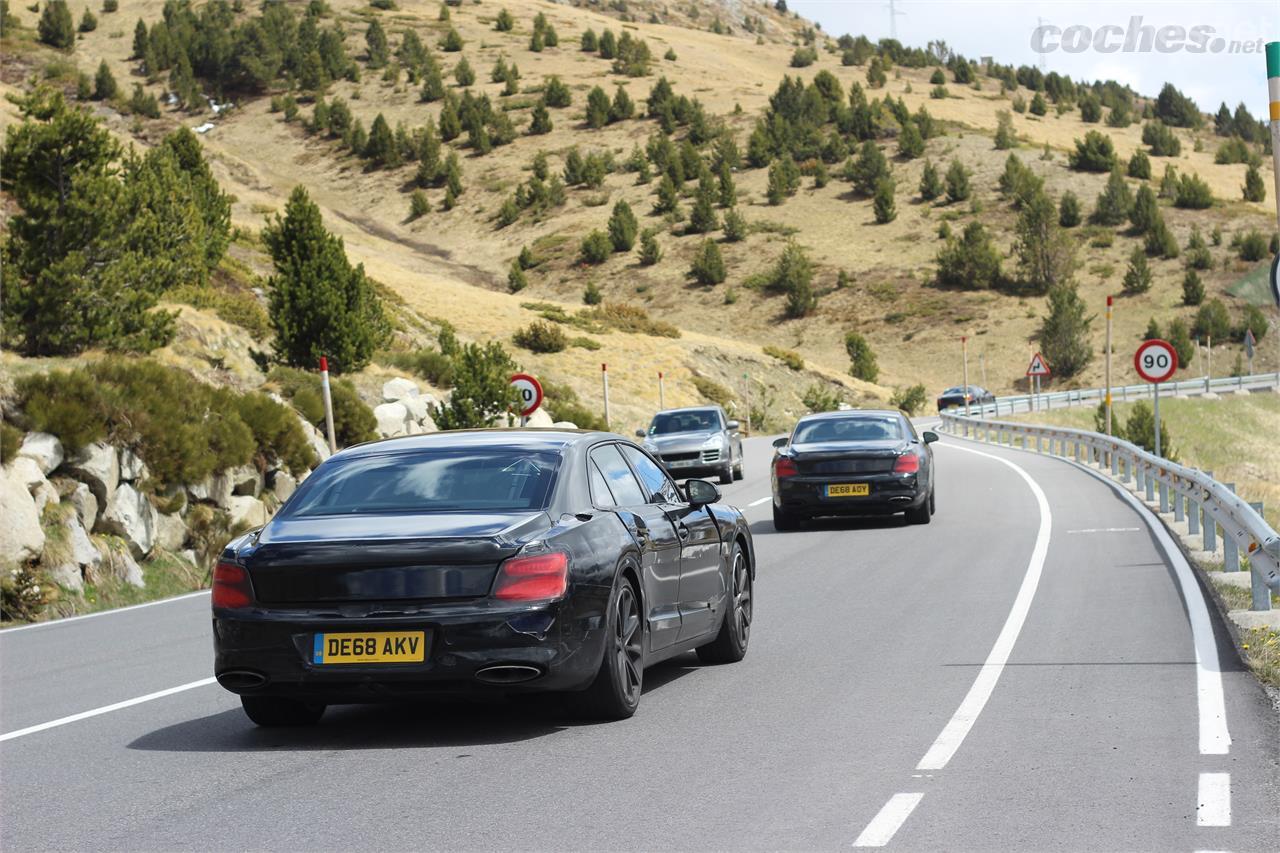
{"x":67,"y":619}
{"x":1211,"y":703}
{"x":1213,"y":802}
{"x":953,"y":734}
{"x":105,"y":709}
{"x":888,"y":820}
{"x":760,"y":501}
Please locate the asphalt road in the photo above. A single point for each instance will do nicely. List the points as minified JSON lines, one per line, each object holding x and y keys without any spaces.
{"x":1021,"y":674}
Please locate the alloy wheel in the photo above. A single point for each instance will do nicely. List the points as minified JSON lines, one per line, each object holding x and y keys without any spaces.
{"x":627,"y":643}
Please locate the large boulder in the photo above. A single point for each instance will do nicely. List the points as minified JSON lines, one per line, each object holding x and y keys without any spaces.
{"x":43,"y":449}
{"x":80,"y":559}
{"x":417,"y":408}
{"x":98,"y":467}
{"x":245,"y":480}
{"x":247,"y":510}
{"x":130,"y":515}
{"x":171,"y":532}
{"x":21,"y":537}
{"x":215,"y":489}
{"x":564,"y":425}
{"x":132,"y":468}
{"x":540,"y":420}
{"x":283,"y":485}
{"x":119,"y":564}
{"x":399,"y":389}
{"x":393,"y":419}
{"x":86,"y":505}
{"x":27,"y":472}
{"x":316,"y":440}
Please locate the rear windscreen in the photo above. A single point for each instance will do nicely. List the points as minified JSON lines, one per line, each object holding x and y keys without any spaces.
{"x":860,"y":428}
{"x":490,"y":480}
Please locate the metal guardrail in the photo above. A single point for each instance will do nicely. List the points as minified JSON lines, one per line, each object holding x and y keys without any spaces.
{"x":1019,"y":403}
{"x":1203,"y":502}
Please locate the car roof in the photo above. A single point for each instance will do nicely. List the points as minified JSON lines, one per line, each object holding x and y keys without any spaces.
{"x":845,"y":413}
{"x":527,"y":439}
{"x":689,"y":409}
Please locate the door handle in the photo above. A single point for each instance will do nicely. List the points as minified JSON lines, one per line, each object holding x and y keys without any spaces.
{"x":684,"y":532}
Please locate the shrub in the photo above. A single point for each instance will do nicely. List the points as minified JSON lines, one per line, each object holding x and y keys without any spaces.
{"x":429,"y":364}
{"x":862,"y":359}
{"x":1140,"y":166}
{"x":1254,"y":189}
{"x":623,"y":227}
{"x":1193,"y":193}
{"x":505,"y":23}
{"x":930,"y":182}
{"x":650,"y":251}
{"x":596,"y":248}
{"x":937,"y":78}
{"x":735,"y":227}
{"x":822,"y":397}
{"x":971,"y":263}
{"x":1114,"y":202}
{"x":1162,"y":140}
{"x":562,"y":404}
{"x":1005,"y":138}
{"x":708,"y":265}
{"x":420,"y":205}
{"x":803,"y":57}
{"x":482,"y":389}
{"x":1178,"y":335}
{"x":541,"y":337}
{"x":883,"y":205}
{"x":89,"y":22}
{"x":867,"y":170}
{"x":713,"y":391}
{"x":1095,"y":153}
{"x":1160,"y":240}
{"x":56,"y":27}
{"x":629,"y":318}
{"x":1144,"y":213}
{"x":1254,"y":321}
{"x":1253,"y":246}
{"x":555,"y":93}
{"x":791,"y":359}
{"x":1140,"y":429}
{"x":104,"y":85}
{"x":592,"y":295}
{"x":452,"y":41}
{"x":909,"y":400}
{"x":1198,"y":255}
{"x":1090,"y":109}
{"x":353,"y":421}
{"x":1137,"y":276}
{"x":1038,"y":106}
{"x":1212,"y":321}
{"x":516,"y":280}
{"x":1064,"y":334}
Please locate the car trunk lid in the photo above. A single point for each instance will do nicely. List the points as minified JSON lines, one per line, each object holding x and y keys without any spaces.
{"x":353,"y":558}
{"x":846,"y":458}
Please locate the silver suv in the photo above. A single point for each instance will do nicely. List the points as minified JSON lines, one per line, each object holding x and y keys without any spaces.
{"x":694,"y":442}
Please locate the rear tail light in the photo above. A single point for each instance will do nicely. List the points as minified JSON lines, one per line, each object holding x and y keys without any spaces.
{"x":537,"y":577}
{"x":784,"y":467}
{"x":231,"y":587}
{"x":908,"y":463}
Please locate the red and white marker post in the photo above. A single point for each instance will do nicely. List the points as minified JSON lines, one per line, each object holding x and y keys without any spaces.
{"x":1156,"y":361}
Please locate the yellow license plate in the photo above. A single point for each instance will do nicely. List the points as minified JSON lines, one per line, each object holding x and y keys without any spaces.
{"x":370,"y":647}
{"x":848,"y":490}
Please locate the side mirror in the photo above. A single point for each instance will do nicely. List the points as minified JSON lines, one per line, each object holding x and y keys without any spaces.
{"x":781,"y":442}
{"x":639,"y":433}
{"x":732,"y":426}
{"x":929,"y":436}
{"x":701,"y":493}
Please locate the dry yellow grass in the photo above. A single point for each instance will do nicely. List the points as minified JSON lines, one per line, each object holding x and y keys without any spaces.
{"x":453,"y":265}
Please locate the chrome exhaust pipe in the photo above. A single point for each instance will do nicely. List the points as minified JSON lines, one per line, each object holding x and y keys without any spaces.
{"x":237,"y":680}
{"x":508,"y":673}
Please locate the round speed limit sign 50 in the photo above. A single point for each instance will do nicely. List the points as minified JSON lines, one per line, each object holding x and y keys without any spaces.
{"x":530,"y":390}
{"x":1156,"y":360}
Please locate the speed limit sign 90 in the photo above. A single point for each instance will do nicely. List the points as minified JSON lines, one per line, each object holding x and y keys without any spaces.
{"x":1156,"y":360}
{"x":530,"y":391}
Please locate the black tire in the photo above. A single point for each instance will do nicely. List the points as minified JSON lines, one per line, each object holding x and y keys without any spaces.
{"x":615,"y":692}
{"x":920,"y":514}
{"x":726,"y":474}
{"x":277,"y":711}
{"x":933,"y":502}
{"x":737,"y":468}
{"x":783,"y":521}
{"x":730,"y":645}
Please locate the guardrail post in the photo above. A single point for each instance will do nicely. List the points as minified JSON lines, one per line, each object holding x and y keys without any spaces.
{"x":1178,"y":514}
{"x":1164,"y":496}
{"x":1257,"y":586}
{"x":1230,"y":548}
{"x":1210,"y":526}
{"x":1077,"y":443}
{"x":1115,"y":463}
{"x":1125,"y":468}
{"x":1150,"y":483}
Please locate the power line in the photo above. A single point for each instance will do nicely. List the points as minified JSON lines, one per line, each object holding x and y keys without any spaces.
{"x":894,"y":14}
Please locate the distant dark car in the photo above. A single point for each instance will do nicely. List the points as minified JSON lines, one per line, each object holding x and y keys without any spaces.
{"x":491,"y":560}
{"x":955,"y":397}
{"x":853,"y":463}
{"x":695,"y":442}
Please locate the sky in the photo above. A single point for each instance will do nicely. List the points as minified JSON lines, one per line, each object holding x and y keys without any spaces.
{"x":1004,"y":31}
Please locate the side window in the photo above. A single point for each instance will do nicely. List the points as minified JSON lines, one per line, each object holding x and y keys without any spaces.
{"x":622,"y":483}
{"x":600,"y":494}
{"x":657,"y":484}
{"x":910,"y":429}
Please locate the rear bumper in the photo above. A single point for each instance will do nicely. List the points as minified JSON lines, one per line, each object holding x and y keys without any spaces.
{"x":805,"y":496}
{"x":563,"y":641}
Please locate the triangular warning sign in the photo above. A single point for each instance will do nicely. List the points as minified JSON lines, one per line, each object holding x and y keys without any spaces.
{"x":1038,"y":366}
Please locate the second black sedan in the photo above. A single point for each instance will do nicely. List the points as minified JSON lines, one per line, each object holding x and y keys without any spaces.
{"x":857,"y":462}
{"x":976,"y":394}
{"x":496,"y":560}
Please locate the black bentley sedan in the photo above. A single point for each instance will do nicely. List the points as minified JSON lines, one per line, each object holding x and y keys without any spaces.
{"x":487,"y":560}
{"x":856,"y":462}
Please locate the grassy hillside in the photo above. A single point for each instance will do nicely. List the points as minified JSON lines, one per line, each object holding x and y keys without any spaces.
{"x":452,"y":264}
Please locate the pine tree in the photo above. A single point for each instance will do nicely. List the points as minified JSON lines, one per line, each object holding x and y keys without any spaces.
{"x":375,"y":39}
{"x":1137,"y":277}
{"x":1192,"y":289}
{"x":105,"y":88}
{"x":433,"y":85}
{"x":1005,"y":138}
{"x":885,"y":211}
{"x":453,"y":176}
{"x":1145,"y":212}
{"x":381,"y":149}
{"x":930,"y":182}
{"x":597,"y":108}
{"x":319,"y":304}
{"x":419,"y":204}
{"x":463,"y":73}
{"x":1069,"y":210}
{"x":622,"y":107}
{"x":430,"y":173}
{"x":703,"y":219}
{"x":866,"y":171}
{"x":1046,"y":256}
{"x":910,"y":142}
{"x":540,"y":119}
{"x":1153,"y":330}
{"x":1114,"y":202}
{"x":668,"y":196}
{"x":140,"y":40}
{"x":1064,"y":333}
{"x":452,"y":42}
{"x":1140,"y":166}
{"x":56,"y":28}
{"x":589,"y":43}
{"x":88,"y":22}
{"x":504,"y":23}
{"x":728,"y":191}
{"x":735,"y":227}
{"x":623,"y":227}
{"x":1254,"y":189}
{"x":957,"y":182}
{"x":862,"y":359}
{"x":516,"y":280}
{"x":708,"y":266}
{"x":650,"y":252}
{"x":450,"y":122}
